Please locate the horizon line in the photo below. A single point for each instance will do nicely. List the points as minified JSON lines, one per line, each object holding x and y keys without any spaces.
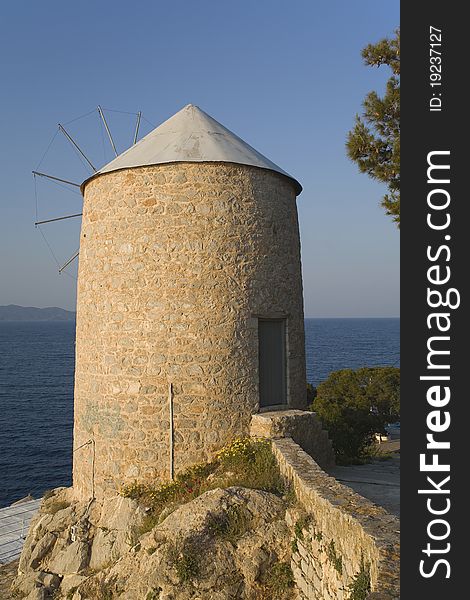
{"x":305,"y":316}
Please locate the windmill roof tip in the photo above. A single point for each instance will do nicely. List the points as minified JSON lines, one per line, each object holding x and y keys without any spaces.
{"x":192,"y":135}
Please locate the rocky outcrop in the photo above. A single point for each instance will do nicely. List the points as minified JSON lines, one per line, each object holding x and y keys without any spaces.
{"x":225,"y":544}
{"x":59,"y":552}
{"x":321,"y":541}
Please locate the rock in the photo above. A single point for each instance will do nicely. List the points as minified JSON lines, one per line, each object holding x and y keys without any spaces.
{"x":63,"y":519}
{"x":27,"y":582}
{"x":101,"y":549}
{"x":184,"y":558}
{"x":108,"y":546}
{"x":122,"y":514}
{"x":51,"y":581}
{"x":218,"y":546}
{"x":71,"y":560}
{"x":257,"y":551}
{"x":261,"y":505}
{"x":70,"y":582}
{"x":42,"y":548}
{"x":37,"y":594}
{"x":35,"y":534}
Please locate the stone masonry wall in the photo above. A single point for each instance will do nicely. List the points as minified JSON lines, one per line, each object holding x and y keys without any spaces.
{"x":302,"y":426}
{"x":340,"y":535}
{"x":177,"y":262}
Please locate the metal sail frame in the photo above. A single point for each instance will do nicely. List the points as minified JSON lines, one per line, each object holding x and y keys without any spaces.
{"x":72,"y":183}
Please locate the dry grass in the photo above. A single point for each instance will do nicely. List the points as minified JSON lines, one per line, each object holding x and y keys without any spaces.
{"x":246,"y":462}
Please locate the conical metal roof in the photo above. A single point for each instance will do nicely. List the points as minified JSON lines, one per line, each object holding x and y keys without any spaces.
{"x":191,"y":135}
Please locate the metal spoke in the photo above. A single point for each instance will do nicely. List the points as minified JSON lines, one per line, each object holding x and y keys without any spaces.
{"x":69,"y":261}
{"x":58,"y":219}
{"x":72,"y":141}
{"x":137,"y":125}
{"x":103,"y":118}
{"x":55,"y":178}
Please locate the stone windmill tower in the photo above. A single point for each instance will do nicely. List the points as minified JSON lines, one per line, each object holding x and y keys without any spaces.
{"x":190,"y":310}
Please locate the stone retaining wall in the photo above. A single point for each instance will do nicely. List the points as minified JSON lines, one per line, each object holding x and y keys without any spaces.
{"x":302,"y":426}
{"x":341,"y":539}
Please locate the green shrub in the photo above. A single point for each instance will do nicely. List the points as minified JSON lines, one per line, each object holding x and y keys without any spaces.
{"x":333,"y":557}
{"x":311,"y":393}
{"x":360,"y":587}
{"x":231,"y":524}
{"x":184,"y":558}
{"x":278,"y":580}
{"x":302,"y":523}
{"x":148,"y":523}
{"x":187,"y":486}
{"x":289,"y":496}
{"x":354,"y":405}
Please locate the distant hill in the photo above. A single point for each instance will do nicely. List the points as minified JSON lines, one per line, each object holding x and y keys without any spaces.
{"x":12,"y":312}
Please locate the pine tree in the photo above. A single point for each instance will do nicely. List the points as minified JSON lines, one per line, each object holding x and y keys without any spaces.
{"x":374,"y":142}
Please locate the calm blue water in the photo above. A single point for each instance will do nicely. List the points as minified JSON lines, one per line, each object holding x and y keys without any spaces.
{"x":36,"y":390}
{"x":36,"y":407}
{"x":333,"y":344}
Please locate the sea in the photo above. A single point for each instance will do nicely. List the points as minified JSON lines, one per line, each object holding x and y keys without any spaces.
{"x":36,"y":390}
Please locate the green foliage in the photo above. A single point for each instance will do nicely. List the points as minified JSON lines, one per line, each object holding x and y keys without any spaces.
{"x":311,"y":393}
{"x":187,"y":486}
{"x":250,"y":463}
{"x":247,"y":462}
{"x":279,"y":580}
{"x":290,"y":497}
{"x":183,"y":557}
{"x":360,"y":587}
{"x":374,"y":142}
{"x":302,"y":524}
{"x":353,"y":405}
{"x":153,"y":594}
{"x":333,"y":557}
{"x":231,"y":524}
{"x":148,"y":523}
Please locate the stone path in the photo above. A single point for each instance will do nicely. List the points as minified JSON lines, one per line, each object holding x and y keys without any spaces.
{"x":379,"y":481}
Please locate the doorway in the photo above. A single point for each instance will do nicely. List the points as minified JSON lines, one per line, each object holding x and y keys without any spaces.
{"x":272,"y":362}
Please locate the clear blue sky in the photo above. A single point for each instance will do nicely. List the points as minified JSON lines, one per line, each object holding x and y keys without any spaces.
{"x":285,"y":76}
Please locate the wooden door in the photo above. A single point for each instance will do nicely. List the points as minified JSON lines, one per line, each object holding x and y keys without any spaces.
{"x":272,"y":362}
